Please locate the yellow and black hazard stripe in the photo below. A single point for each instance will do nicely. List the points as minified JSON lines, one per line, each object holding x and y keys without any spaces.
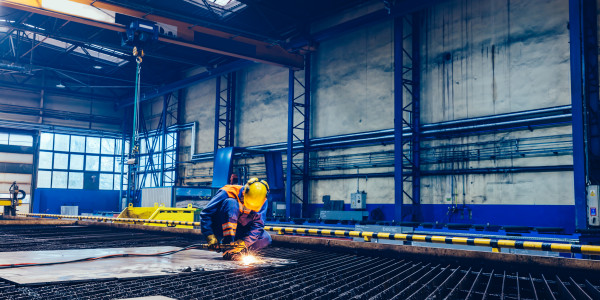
{"x":439,"y":239}
{"x":169,"y":223}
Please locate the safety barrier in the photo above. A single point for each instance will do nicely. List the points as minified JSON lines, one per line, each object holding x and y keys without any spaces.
{"x":169,"y":223}
{"x":495,"y":244}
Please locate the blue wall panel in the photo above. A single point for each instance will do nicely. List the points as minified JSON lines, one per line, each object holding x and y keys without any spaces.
{"x":50,"y":200}
{"x":515,"y":215}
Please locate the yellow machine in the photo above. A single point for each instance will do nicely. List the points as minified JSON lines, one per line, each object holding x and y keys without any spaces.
{"x":10,"y":204}
{"x":159,"y":213}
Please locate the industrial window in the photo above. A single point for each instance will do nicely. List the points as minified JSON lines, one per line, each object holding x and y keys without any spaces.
{"x":15,"y":139}
{"x":77,"y":162}
{"x":156,"y":160}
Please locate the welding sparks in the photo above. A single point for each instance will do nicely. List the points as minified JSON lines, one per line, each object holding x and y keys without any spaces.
{"x":248,"y":259}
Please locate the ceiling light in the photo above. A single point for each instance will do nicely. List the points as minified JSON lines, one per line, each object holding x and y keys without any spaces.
{"x":97,"y":67}
{"x":84,"y":10}
{"x":60,"y":85}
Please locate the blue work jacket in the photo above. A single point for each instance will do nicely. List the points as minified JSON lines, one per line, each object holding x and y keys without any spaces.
{"x":225,"y":216}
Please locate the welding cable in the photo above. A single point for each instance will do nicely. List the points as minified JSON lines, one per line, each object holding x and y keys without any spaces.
{"x":21,"y":265}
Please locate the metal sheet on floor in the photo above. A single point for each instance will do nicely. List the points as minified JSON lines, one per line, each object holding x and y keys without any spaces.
{"x":193,"y":260}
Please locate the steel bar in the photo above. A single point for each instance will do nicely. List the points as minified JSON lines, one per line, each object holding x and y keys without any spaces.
{"x":317,"y":274}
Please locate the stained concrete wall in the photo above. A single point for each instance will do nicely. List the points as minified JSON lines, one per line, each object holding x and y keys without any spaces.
{"x":479,"y":58}
{"x":82,"y":105}
{"x":491,"y":57}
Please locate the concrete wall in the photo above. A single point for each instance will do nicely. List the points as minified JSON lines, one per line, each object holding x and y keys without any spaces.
{"x":479,"y":58}
{"x":13,"y":100}
{"x":491,"y":57}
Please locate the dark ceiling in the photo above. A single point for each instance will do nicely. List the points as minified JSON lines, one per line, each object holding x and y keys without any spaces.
{"x":35,"y":46}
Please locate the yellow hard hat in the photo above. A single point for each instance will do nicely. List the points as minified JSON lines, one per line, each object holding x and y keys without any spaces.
{"x":255,"y":194}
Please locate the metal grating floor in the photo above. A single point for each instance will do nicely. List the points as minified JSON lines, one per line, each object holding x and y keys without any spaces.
{"x":318,"y":275}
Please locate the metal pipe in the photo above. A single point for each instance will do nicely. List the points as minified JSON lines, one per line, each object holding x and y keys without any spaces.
{"x":451,"y":172}
{"x":386,"y":136}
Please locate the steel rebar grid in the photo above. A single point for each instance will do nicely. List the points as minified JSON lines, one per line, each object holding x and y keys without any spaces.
{"x":317,"y":275}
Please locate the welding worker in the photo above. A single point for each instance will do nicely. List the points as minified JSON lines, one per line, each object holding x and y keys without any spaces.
{"x":236,"y":215}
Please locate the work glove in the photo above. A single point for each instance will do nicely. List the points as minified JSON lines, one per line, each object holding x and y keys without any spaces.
{"x":234,"y":253}
{"x":213,"y":243}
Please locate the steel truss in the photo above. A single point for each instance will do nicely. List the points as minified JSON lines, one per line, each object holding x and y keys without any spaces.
{"x":157,"y":142}
{"x":407,"y":115}
{"x":298,"y":141}
{"x":225,"y":111}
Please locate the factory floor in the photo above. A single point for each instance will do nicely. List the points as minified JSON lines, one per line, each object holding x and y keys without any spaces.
{"x":317,"y":274}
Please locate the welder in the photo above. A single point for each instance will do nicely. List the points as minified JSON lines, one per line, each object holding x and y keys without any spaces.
{"x":234,"y":218}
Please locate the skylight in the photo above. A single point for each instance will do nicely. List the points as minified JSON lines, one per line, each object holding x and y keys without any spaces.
{"x":80,"y":9}
{"x":220,"y":2}
{"x":222,"y":8}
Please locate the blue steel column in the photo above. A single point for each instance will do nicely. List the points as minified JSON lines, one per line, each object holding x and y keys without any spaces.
{"x":398,"y":95}
{"x":290,"y":146}
{"x":306,"y":156}
{"x":416,"y":117}
{"x":232,"y":80}
{"x":217,"y":113}
{"x":163,"y":138}
{"x":577,"y":102}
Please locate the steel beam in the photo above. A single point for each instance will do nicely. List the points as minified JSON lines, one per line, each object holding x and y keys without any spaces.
{"x":298,"y":141}
{"x":584,"y":98}
{"x":290,"y":146}
{"x":224,"y":111}
{"x":188,"y":35}
{"x":398,"y":126}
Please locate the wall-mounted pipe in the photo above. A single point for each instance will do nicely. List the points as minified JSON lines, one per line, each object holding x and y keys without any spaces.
{"x":554,"y":116}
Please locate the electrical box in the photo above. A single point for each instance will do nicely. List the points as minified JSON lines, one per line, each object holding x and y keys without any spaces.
{"x":592,"y":205}
{"x":278,"y":209}
{"x":358,"y":200}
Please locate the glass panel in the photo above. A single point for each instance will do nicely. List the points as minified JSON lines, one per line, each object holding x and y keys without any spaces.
{"x":61,"y":142}
{"x":142,"y":146}
{"x":126,"y":147}
{"x":142,"y":163}
{"x":117,"y":182}
{"x":106,"y":163}
{"x":45,"y":160}
{"x":20,"y":140}
{"x":108,"y":146}
{"x":75,"y":180}
{"x":106,"y":181}
{"x":76,"y":162}
{"x":118,"y":165}
{"x":157,"y":159}
{"x":169,"y":157}
{"x":92,"y":145}
{"x":77,"y":143}
{"x":169,"y":178}
{"x":46,"y":141}
{"x":91,"y":163}
{"x":156,"y":144}
{"x":59,"y":180}
{"x":170,"y":141}
{"x":44,"y":179}
{"x":118,"y":149}
{"x":61,"y":161}
{"x":3,"y":138}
